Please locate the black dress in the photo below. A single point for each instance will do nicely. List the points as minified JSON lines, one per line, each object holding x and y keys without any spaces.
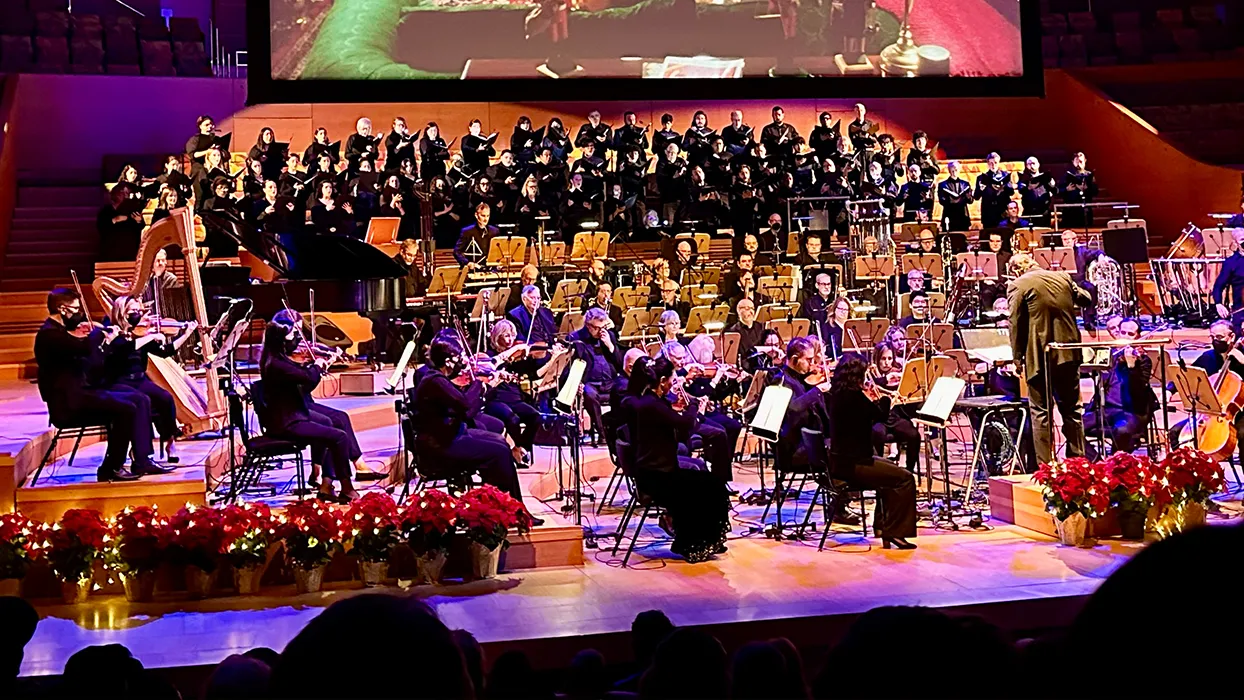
{"x":126,"y":364}
{"x":695,"y":500}
{"x":852,"y":415}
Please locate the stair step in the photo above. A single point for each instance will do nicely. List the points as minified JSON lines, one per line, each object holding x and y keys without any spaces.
{"x":54,"y":212}
{"x":54,"y":224}
{"x":17,"y":355}
{"x":18,"y":341}
{"x":74,"y":196}
{"x":73,"y":255}
{"x":49,"y":244}
{"x":46,"y":271}
{"x":75,"y":237}
{"x":61,"y":177}
{"x":23,"y":299}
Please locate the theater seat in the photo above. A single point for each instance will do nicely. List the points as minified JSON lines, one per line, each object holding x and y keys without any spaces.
{"x":86,"y":27}
{"x":152,"y":29}
{"x":51,"y":54}
{"x":52,"y":24}
{"x":16,"y":21}
{"x":16,"y":54}
{"x":190,"y":59}
{"x":185,"y":29}
{"x":157,"y":58}
{"x":86,"y":55}
{"x":47,"y":5}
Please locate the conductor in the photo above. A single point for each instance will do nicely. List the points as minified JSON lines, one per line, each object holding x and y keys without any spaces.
{"x":1043,"y":310}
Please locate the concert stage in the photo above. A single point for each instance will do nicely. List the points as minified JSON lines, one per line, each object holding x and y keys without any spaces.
{"x":564,"y":592}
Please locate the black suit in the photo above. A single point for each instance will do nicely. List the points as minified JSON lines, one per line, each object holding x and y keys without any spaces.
{"x":66,"y":363}
{"x":541,"y":329}
{"x":1043,"y":311}
{"x":465,"y":252}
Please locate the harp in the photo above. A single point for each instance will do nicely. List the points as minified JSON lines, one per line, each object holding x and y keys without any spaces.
{"x":199,"y":409}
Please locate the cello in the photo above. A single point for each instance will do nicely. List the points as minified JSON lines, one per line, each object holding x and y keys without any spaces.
{"x":1216,"y":434}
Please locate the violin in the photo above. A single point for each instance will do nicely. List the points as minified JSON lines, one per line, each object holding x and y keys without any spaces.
{"x":163,"y":326}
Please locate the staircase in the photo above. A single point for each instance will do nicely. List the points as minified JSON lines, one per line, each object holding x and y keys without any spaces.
{"x":53,"y":232}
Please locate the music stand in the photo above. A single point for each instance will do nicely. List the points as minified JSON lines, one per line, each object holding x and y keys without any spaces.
{"x":934,"y":413}
{"x":1219,"y":241}
{"x":482,"y":305}
{"x":446,"y":281}
{"x":767,"y":423}
{"x":791,"y":328}
{"x":963,"y":364}
{"x":498,"y":301}
{"x":399,"y":371}
{"x":627,"y":297}
{"x":700,"y":316}
{"x":773,"y":312}
{"x":568,"y":292}
{"x":637,"y":320}
{"x":727,"y":347}
{"x":977,"y":267}
{"x":506,"y":251}
{"x":939,"y":335}
{"x":571,"y":322}
{"x":1056,"y":259}
{"x":777,"y":288}
{"x":864,"y":333}
{"x":779,"y":270}
{"x":551,"y":254}
{"x":1196,"y":393}
{"x":698,"y":294}
{"x":928,"y":263}
{"x":909,"y":232}
{"x":874,"y":266}
{"x":589,"y":246}
{"x":919,"y":375}
{"x":382,"y":230}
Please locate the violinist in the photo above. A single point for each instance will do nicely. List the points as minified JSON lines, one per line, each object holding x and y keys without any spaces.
{"x":535,"y":323}
{"x":287,"y":386}
{"x":807,"y":406}
{"x":503,"y":399}
{"x":125,"y":363}
{"x":669,"y":327}
{"x":68,"y":351}
{"x":883,"y":376}
{"x":597,"y":345}
{"x":852,"y":413}
{"x":717,"y":381}
{"x":695,"y":501}
{"x":718,"y":450}
{"x":1129,"y":402}
{"x":444,"y":400}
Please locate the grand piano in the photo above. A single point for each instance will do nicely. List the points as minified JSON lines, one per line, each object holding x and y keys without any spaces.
{"x":347,"y":274}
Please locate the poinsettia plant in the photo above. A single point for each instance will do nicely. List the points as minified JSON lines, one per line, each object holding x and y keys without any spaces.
{"x":1187,"y":475}
{"x":138,"y":540}
{"x":75,"y":542}
{"x":1072,"y":486}
{"x":486,"y":514}
{"x":19,"y":542}
{"x":428,"y":522}
{"x":311,"y":532}
{"x":1130,"y":481}
{"x":247,"y":531}
{"x":195,"y":536}
{"x":372,"y":525}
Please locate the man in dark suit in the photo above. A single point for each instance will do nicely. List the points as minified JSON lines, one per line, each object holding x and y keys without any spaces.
{"x":596,"y":345}
{"x":472,"y":246}
{"x":66,"y":362}
{"x":1043,"y":310}
{"x":535,"y":324}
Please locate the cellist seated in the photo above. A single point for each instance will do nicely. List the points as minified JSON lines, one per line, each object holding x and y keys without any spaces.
{"x":1124,"y":390}
{"x":1223,"y":355}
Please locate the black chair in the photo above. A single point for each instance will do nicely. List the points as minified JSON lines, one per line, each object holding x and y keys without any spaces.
{"x":69,"y":429}
{"x":784,"y":484}
{"x":263,"y":452}
{"x":639,"y":501}
{"x":830,"y":492}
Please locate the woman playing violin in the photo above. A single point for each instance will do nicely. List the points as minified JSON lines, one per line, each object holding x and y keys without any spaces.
{"x":695,"y":501}
{"x":503,"y":398}
{"x":718,"y":449}
{"x":881,"y":380}
{"x":125,"y":362}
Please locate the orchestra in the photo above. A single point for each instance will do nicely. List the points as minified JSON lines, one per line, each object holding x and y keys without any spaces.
{"x":785,"y":304}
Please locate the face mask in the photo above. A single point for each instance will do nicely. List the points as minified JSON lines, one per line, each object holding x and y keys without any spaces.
{"x":133,"y":318}
{"x":1221,"y":346}
{"x":74,"y":320}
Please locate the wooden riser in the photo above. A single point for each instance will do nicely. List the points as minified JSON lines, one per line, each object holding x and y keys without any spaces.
{"x":49,"y":503}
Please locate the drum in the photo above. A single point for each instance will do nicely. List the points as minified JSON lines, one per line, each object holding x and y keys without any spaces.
{"x":1190,"y":244}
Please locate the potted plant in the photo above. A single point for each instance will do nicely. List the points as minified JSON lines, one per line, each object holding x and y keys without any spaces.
{"x":196,"y":537}
{"x":18,"y":543}
{"x":428,"y":528}
{"x":1074,"y":492}
{"x":1186,"y":479}
{"x":312,"y":534}
{"x":136,"y":550}
{"x":372,"y":525}
{"x":74,"y":543}
{"x":247,"y":531}
{"x":1130,"y":481}
{"x":485,"y":515}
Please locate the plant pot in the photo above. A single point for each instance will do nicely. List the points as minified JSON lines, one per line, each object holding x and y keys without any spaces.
{"x":74,"y":592}
{"x":1071,"y":530}
{"x":484,"y":561}
{"x":1132,"y":523}
{"x":246,"y":579}
{"x":309,"y":580}
{"x":374,"y":572}
{"x":431,"y":566}
{"x":199,"y":583}
{"x":10,"y":587}
{"x":139,"y":586}
{"x":1178,"y":517}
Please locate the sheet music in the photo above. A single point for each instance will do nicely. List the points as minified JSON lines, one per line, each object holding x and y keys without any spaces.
{"x":767,"y":423}
{"x":941,"y":400}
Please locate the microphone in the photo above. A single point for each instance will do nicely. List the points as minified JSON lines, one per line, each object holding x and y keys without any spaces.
{"x":231,"y":300}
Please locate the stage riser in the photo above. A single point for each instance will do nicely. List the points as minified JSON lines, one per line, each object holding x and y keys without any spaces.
{"x":50,"y":503}
{"x":1018,"y":500}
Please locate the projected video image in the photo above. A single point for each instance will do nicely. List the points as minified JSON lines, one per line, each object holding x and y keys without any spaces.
{"x":541,"y":39}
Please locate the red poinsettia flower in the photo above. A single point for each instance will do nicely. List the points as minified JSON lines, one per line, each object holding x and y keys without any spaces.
{"x":80,"y":526}
{"x":197,"y":529}
{"x":245,"y":520}
{"x":1187,"y":474}
{"x":432,"y":511}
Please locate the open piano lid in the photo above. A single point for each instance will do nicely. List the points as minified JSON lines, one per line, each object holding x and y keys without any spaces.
{"x":307,"y":256}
